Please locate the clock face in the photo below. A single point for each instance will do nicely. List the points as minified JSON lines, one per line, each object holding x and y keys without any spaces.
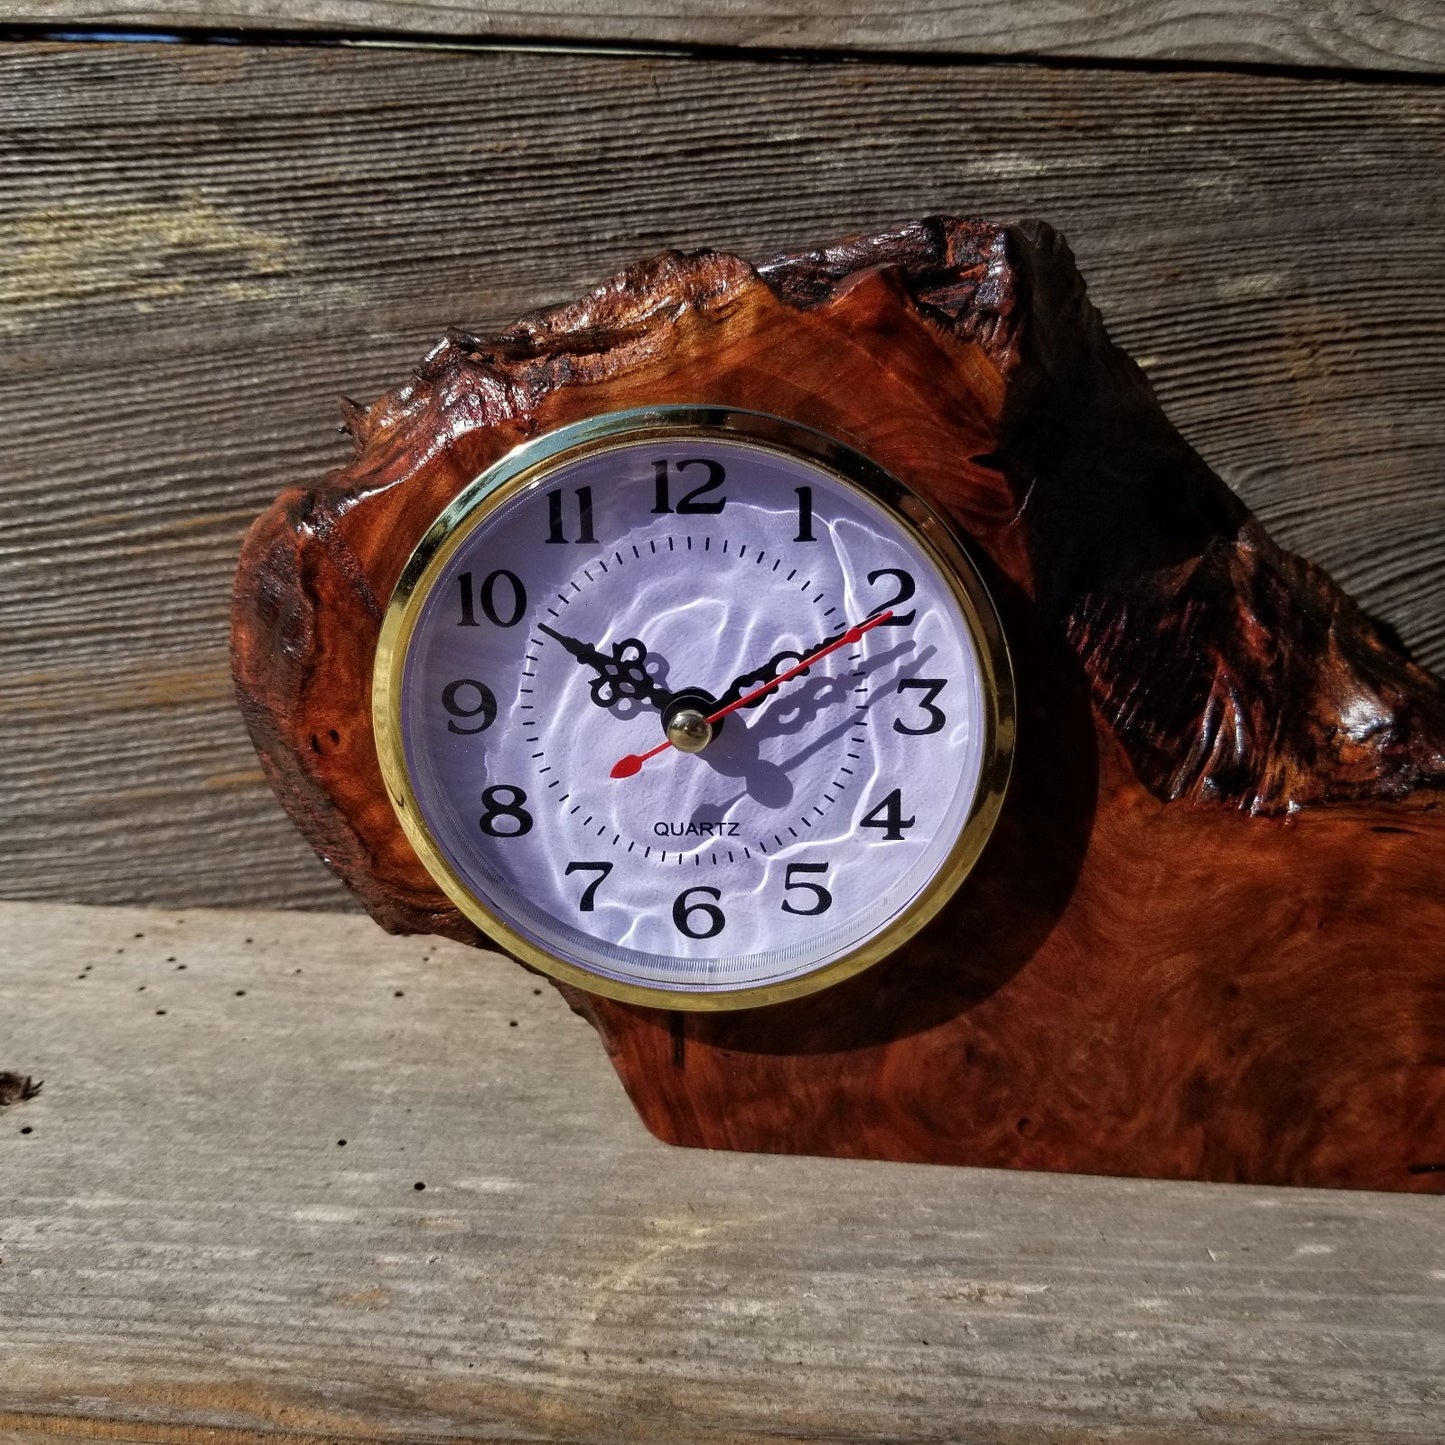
{"x":692,"y":707}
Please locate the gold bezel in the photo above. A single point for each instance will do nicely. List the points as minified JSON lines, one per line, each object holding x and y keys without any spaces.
{"x":529,"y":465}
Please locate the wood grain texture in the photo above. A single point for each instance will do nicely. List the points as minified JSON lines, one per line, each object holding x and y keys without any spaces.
{"x":188,"y":1255}
{"x":218,"y":242}
{"x":1146,"y":973}
{"x":1397,"y":35}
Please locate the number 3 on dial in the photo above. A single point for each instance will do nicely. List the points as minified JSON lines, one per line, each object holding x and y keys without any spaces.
{"x":930,"y":687}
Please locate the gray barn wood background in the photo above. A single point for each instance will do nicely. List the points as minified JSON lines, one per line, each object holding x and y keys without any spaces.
{"x":203,"y":245}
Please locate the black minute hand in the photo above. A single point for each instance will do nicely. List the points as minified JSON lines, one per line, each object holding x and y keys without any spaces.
{"x":777,"y":663}
{"x":620,"y":676}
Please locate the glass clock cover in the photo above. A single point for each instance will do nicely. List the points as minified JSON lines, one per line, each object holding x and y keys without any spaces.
{"x":666,"y":566}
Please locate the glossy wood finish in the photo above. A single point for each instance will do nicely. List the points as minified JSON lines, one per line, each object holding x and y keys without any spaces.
{"x":1205,"y":941}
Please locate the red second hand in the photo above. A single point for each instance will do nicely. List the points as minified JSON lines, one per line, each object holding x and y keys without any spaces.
{"x":632,"y":763}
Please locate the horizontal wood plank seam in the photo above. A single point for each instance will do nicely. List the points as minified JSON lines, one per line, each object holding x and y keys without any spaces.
{"x":21,"y":32}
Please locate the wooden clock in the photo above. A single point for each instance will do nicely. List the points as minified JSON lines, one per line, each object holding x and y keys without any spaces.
{"x":839,"y":677}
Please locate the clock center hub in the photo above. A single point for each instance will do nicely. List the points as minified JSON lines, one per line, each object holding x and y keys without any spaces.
{"x":689,"y":731}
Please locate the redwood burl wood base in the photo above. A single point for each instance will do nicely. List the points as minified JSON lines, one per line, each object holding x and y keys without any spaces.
{"x":1208,"y":937}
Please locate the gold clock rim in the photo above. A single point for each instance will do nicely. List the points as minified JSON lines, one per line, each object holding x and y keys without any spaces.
{"x":527,"y":466}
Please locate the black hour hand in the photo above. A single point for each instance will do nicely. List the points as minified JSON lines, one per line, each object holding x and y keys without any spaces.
{"x":621,"y":676}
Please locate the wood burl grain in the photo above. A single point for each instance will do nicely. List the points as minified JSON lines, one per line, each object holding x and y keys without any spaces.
{"x":1205,"y":939}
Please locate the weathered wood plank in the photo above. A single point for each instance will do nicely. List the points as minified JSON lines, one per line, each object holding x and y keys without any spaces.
{"x":199,"y":248}
{"x":187,"y":1248}
{"x":1397,"y":34}
{"x":1135,"y":869}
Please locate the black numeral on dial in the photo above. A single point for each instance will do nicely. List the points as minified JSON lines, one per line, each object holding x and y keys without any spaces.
{"x":888,"y":815}
{"x":589,"y":893}
{"x":456,"y":697}
{"x":689,"y":504}
{"x":906,"y":588}
{"x":556,"y":529}
{"x":930,"y":687}
{"x":805,"y":515}
{"x":821,"y":900}
{"x":510,"y":593}
{"x":683,"y":913}
{"x":505,"y":801}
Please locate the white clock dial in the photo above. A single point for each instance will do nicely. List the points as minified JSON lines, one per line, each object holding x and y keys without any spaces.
{"x":665,"y":567}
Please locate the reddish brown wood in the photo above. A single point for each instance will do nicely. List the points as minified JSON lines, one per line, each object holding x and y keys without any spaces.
{"x":1208,"y":937}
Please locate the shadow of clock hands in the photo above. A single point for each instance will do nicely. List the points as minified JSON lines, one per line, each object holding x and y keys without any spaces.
{"x":799,"y":703}
{"x":735,"y":754}
{"x":767,"y":782}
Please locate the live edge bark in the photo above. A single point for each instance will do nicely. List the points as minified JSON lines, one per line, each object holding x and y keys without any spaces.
{"x":1206,"y":938}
